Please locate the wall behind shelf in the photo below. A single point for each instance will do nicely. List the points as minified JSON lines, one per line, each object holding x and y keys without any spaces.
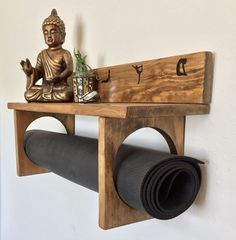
{"x":114,"y":32}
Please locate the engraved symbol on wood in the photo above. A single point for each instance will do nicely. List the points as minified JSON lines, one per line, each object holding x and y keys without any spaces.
{"x":180,"y":70}
{"x":139,"y":70}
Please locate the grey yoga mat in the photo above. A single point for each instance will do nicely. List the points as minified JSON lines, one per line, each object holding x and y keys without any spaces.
{"x":162,"y":184}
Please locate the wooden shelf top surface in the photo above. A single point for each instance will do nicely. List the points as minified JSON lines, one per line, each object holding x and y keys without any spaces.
{"x":115,"y":110}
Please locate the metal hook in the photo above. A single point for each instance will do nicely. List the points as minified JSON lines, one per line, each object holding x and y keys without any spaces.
{"x":107,"y":79}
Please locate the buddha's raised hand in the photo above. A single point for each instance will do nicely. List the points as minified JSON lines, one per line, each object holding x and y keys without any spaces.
{"x":27,"y":67}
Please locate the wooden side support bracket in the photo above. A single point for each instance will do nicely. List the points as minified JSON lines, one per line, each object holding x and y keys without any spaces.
{"x":112,"y":132}
{"x":22,"y":121}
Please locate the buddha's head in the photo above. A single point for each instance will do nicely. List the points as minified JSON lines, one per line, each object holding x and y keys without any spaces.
{"x":54,"y":30}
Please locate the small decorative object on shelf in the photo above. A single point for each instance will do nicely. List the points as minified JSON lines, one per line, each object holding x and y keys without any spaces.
{"x":54,"y":66}
{"x":84,"y":81}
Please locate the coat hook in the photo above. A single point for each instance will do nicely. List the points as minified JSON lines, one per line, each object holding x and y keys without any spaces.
{"x":105,"y":80}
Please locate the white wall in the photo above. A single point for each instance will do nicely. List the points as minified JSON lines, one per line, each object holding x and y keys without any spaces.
{"x":114,"y":32}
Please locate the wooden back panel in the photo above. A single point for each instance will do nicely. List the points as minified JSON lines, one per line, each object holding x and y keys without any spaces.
{"x":179,"y":79}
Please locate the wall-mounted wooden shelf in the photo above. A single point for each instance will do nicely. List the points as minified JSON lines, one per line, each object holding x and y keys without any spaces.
{"x":117,"y":119}
{"x":114,"y":110}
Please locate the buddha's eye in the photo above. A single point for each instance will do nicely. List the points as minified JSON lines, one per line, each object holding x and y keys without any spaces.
{"x":53,"y":31}
{"x":45,"y":32}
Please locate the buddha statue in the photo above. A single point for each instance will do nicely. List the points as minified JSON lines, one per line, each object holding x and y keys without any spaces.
{"x":54,"y":66}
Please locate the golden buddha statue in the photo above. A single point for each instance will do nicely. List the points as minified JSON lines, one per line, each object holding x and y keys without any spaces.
{"x":54,"y":66}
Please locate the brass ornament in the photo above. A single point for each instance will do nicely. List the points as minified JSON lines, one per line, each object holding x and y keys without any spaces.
{"x":54,"y":66}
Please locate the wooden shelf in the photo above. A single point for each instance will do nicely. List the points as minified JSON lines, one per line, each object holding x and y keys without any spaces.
{"x":114,"y":110}
{"x":159,"y":96}
{"x":114,"y":127}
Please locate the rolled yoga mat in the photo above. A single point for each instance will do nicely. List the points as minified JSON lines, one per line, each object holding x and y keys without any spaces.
{"x":162,"y":184}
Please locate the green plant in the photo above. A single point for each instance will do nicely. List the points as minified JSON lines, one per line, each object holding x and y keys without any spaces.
{"x":81,"y":67}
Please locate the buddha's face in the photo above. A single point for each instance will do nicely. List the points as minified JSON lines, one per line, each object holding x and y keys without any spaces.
{"x":52,"y":35}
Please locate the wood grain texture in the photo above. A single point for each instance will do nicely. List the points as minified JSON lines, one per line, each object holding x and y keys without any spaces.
{"x":159,"y":81}
{"x":112,"y":132}
{"x":116,"y":110}
{"x":22,"y":120}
